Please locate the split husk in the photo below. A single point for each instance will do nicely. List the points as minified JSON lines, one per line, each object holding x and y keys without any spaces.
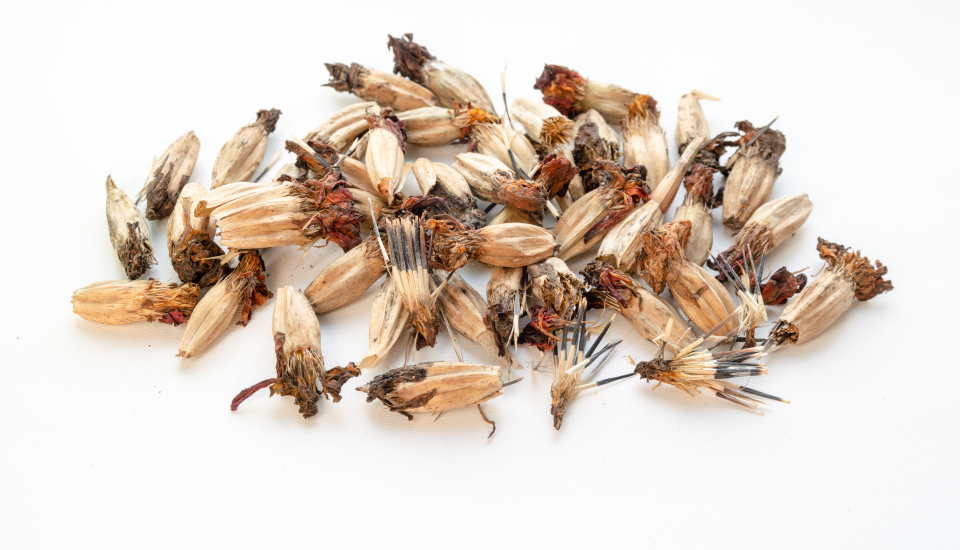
{"x":195,"y":256}
{"x":168,"y":174}
{"x":241,"y":155}
{"x":129,"y":233}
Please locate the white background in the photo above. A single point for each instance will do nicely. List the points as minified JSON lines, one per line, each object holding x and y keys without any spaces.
{"x":107,"y":440}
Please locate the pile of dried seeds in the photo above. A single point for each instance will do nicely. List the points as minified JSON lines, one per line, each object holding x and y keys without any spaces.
{"x":583,"y":173}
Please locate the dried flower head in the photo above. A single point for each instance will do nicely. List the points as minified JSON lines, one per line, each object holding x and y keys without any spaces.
{"x":386,"y":89}
{"x":241,"y":155}
{"x":573,"y":94}
{"x":492,"y":181}
{"x":644,"y":142}
{"x":504,"y":304}
{"x":129,"y":233}
{"x":125,"y":302}
{"x":168,"y":174}
{"x":195,"y":256}
{"x":543,"y":124}
{"x":385,"y":154}
{"x":691,"y":122}
{"x":555,"y":285}
{"x":502,"y":142}
{"x":696,"y":210}
{"x":755,"y":167}
{"x":443,"y":182}
{"x":341,"y":129}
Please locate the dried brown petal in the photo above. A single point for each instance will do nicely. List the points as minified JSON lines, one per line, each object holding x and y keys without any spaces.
{"x":781,"y":286}
{"x":660,"y":250}
{"x":562,"y":88}
{"x":867,"y":279}
{"x":169,"y":173}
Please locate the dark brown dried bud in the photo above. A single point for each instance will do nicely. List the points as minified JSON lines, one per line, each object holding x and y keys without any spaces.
{"x":334,"y":215}
{"x":659,"y":250}
{"x":562,"y":88}
{"x":867,"y":279}
{"x":409,"y":57}
{"x":589,"y":150}
{"x":452,"y":244}
{"x":781,"y":286}
{"x":539,"y":331}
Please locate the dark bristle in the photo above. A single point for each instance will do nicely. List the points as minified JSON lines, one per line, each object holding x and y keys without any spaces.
{"x":599,"y":339}
{"x":615,"y":378}
{"x":759,"y":393}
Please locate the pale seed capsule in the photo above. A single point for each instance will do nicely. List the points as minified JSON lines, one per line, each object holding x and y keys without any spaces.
{"x":492,"y":181}
{"x":409,"y":269}
{"x":384,"y":155}
{"x":573,"y":94}
{"x":756,"y":166}
{"x":440,"y":180}
{"x":466,"y":311}
{"x":395,"y":92}
{"x":768,"y":227}
{"x":847,"y":277}
{"x":347,"y":278}
{"x":691,"y":122}
{"x":453,"y":87}
{"x":291,"y":172}
{"x":239,"y":158}
{"x":125,"y":302}
{"x":300,"y":370}
{"x":168,"y":174}
{"x":498,"y":140}
{"x":644,"y":142}
{"x":388,"y":321}
{"x":543,"y":124}
{"x":193,"y":253}
{"x":430,"y":126}
{"x":318,"y":159}
{"x":509,"y":214}
{"x":503,"y":303}
{"x":345,"y":118}
{"x":555,"y":285}
{"x":696,"y":210}
{"x":230,"y":301}
{"x":514,"y":244}
{"x":129,"y":233}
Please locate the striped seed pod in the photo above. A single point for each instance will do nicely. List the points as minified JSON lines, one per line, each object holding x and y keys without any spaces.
{"x":241,"y":155}
{"x":388,"y":321}
{"x":395,"y":92}
{"x":573,"y":94}
{"x":431,"y":126}
{"x":129,"y":233}
{"x":346,"y":279}
{"x":453,"y":87}
{"x":300,"y":369}
{"x":317,"y":159}
{"x":504,"y":296}
{"x":344,"y":122}
{"x":509,"y":214}
{"x":696,"y":210}
{"x":125,"y":302}
{"x":644,"y":142}
{"x":194,"y":255}
{"x":168,"y":174}
{"x":230,"y":301}
{"x":691,"y":122}
{"x":492,"y":181}
{"x":406,"y":246}
{"x":555,"y":285}
{"x":452,"y":245}
{"x":543,"y":124}
{"x":385,"y":154}
{"x":440,"y":180}
{"x":755,"y":167}
{"x":848,"y":277}
{"x":499,"y":140}
{"x":465,"y":309}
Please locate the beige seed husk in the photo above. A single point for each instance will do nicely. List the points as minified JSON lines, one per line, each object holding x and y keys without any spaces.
{"x":353,"y":171}
{"x":496,"y":140}
{"x":291,"y":171}
{"x":258,"y":215}
{"x":408,"y":267}
{"x":430,"y":126}
{"x":555,"y":285}
{"x":442,"y":180}
{"x":345,"y":118}
{"x":129,"y":233}
{"x":241,"y":155}
{"x":466,"y":311}
{"x":509,"y":214}
{"x":604,"y":130}
{"x":691,"y":122}
{"x":384,"y":160}
{"x":484,"y":174}
{"x":503,"y":301}
{"x":193,"y":253}
{"x":514,"y":244}
{"x":773,"y":223}
{"x":388,"y":321}
{"x":543,"y":123}
{"x":702,"y":298}
{"x":751,"y":178}
{"x":386,"y":89}
{"x":434,"y":387}
{"x":168,"y":174}
{"x":347,"y":278}
{"x":609,"y":100}
{"x":125,"y":302}
{"x":701,"y":231}
{"x":576,"y":220}
{"x":644,"y":142}
{"x":293,"y":317}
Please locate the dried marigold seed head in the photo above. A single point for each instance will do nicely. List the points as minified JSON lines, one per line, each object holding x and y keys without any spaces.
{"x":755,"y":168}
{"x":434,"y":387}
{"x":125,"y":302}
{"x":660,"y":250}
{"x":501,"y":141}
{"x":554,"y":284}
{"x":514,"y":244}
{"x":409,"y":267}
{"x":129,"y":233}
{"x":644,"y":142}
{"x":465,"y":309}
{"x":347,"y":278}
{"x":691,"y":122}
{"x":452,"y":244}
{"x":195,"y":256}
{"x":168,"y":174}
{"x":867,"y":279}
{"x":590,"y":150}
{"x":386,"y":89}
{"x":543,"y":123}
{"x":241,"y":155}
{"x":562,"y":88}
{"x":384,"y":155}
{"x":503,"y":303}
{"x":781,"y":286}
{"x":555,"y":174}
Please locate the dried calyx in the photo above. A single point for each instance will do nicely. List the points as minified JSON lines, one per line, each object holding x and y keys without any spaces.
{"x":572,"y":94}
{"x":867,"y":279}
{"x":590,"y":150}
{"x":195,"y":256}
{"x":125,"y":302}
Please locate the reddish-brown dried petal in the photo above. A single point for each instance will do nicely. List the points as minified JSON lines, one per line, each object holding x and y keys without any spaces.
{"x":562,"y":88}
{"x":781,"y":286}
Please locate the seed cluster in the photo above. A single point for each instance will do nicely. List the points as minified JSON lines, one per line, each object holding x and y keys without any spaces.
{"x":581,"y":173}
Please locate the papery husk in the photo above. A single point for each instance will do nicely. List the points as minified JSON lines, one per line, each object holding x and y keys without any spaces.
{"x":503,"y":303}
{"x":509,"y":214}
{"x":555,"y":285}
{"x":125,"y":302}
{"x":644,"y":142}
{"x":433,"y":126}
{"x":389,"y":319}
{"x":129,"y":233}
{"x":242,"y":154}
{"x":347,"y":278}
{"x":440,"y":180}
{"x":453,"y":87}
{"x":384,"y":156}
{"x":492,"y":181}
{"x":514,"y":244}
{"x":755,"y":168}
{"x":408,"y":267}
{"x":695,"y":209}
{"x":434,"y":387}
{"x":573,"y":94}
{"x":769,"y":227}
{"x":691,"y":122}
{"x":395,"y":92}
{"x":168,"y":174}
{"x":498,"y":140}
{"x":465,"y":309}
{"x":543,"y":124}
{"x":318,"y":159}
{"x":347,"y":117}
{"x":195,"y":256}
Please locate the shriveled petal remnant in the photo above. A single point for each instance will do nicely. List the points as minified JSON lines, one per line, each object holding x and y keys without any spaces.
{"x":608,"y":287}
{"x":590,"y":151}
{"x":334,"y":215}
{"x":867,"y":279}
{"x":539,"y":331}
{"x":555,"y":175}
{"x":452,"y":244}
{"x":781,"y":286}
{"x":562,"y":88}
{"x":660,"y":248}
{"x":250,"y":280}
{"x":625,"y":189}
{"x":409,"y":57}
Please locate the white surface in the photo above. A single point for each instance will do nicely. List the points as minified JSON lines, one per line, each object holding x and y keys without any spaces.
{"x":109,"y":441}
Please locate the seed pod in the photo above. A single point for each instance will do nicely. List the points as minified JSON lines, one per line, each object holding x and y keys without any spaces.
{"x":125,"y":302}
{"x":590,"y":217}
{"x":768,"y":227}
{"x":388,"y":320}
{"x":492,"y":181}
{"x":644,"y":143}
{"x":503,"y":304}
{"x":434,"y":387}
{"x":465,"y":309}
{"x":386,"y":89}
{"x":168,"y":174}
{"x":514,"y":244}
{"x":231,"y":300}
{"x":846,"y":278}
{"x":554,"y":284}
{"x":544,"y":124}
{"x":317,"y":159}
{"x":252,"y":216}
{"x":332,"y":131}
{"x":384,"y":154}
{"x":300,"y":370}
{"x":440,"y":126}
{"x":453,"y":87}
{"x":595,"y":144}
{"x":755,"y":168}
{"x":346,"y":279}
{"x":621,"y":244}
{"x":691,"y":122}
{"x":240,"y":157}
{"x":128,"y":232}
{"x":703,"y":299}
{"x":706,"y":164}
{"x":696,"y":210}
{"x":440,"y":180}
{"x":194,"y":255}
{"x":651,"y":316}
{"x":573,"y":94}
{"x":509,"y":214}
{"x":408,"y":267}
{"x":498,"y":140}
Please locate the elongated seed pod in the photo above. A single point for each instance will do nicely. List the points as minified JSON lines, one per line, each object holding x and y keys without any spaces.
{"x":514,"y":244}
{"x":453,"y":87}
{"x":388,"y":320}
{"x":768,"y":227}
{"x":384,"y":155}
{"x":346,"y":117}
{"x":499,"y":140}
{"x":125,"y":302}
{"x":129,"y":233}
{"x":466,"y":311}
{"x":434,"y":387}
{"x":241,"y":155}
{"x":193,"y":253}
{"x":440,"y":180}
{"x":544,"y":124}
{"x":386,"y":89}
{"x":573,"y":94}
{"x":644,"y":142}
{"x":691,"y":122}
{"x":346,"y":279}
{"x":695,"y":209}
{"x":441,"y":126}
{"x":168,"y":174}
{"x":755,"y":169}
{"x":410,"y":271}
{"x":503,"y":303}
{"x":490,"y":180}
{"x":509,"y":214}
